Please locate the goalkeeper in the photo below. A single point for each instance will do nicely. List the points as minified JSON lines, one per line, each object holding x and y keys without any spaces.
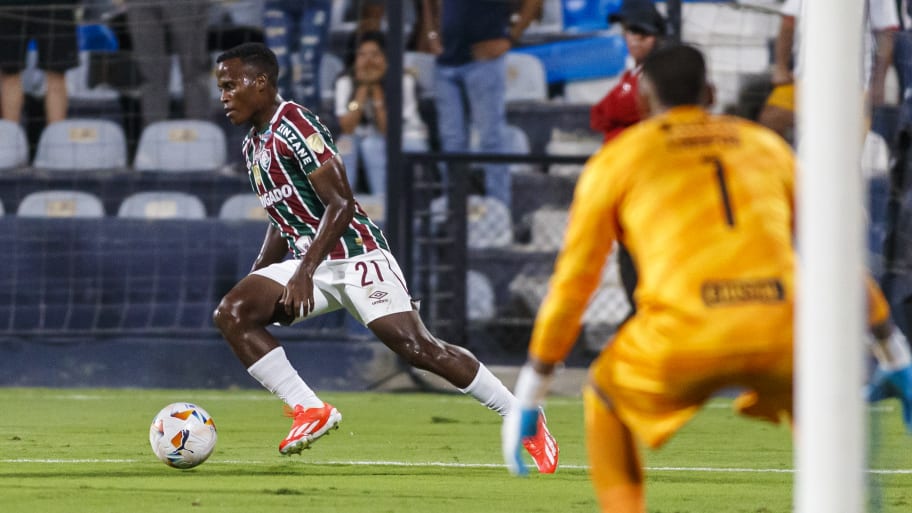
{"x":715,"y":297}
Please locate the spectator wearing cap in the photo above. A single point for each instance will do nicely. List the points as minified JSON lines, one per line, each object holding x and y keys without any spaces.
{"x":644,"y":28}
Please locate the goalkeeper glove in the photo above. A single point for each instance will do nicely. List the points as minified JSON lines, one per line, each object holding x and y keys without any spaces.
{"x":896,"y":383}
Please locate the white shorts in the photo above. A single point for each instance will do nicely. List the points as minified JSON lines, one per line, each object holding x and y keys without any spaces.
{"x":368,"y":286}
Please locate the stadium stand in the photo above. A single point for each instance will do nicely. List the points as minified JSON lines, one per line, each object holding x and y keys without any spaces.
{"x":331,"y":66}
{"x":244,"y":206}
{"x":60,"y":203}
{"x":162,"y":205}
{"x":422,"y":66}
{"x":479,"y":297}
{"x":525,"y":78}
{"x":13,"y":145}
{"x":548,"y":225}
{"x":181,"y":145}
{"x":80,"y":145}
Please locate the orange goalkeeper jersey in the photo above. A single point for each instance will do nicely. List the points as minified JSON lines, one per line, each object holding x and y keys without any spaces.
{"x":704,"y":204}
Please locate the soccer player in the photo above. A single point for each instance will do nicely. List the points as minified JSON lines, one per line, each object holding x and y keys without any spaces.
{"x":341,"y":259}
{"x":707,"y":218}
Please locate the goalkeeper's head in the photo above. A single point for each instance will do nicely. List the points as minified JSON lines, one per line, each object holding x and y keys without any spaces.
{"x":673,"y":76}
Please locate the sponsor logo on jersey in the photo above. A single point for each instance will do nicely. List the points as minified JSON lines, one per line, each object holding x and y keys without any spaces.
{"x":257,"y":177}
{"x":727,"y":292}
{"x":276,"y":195}
{"x":295,"y":144}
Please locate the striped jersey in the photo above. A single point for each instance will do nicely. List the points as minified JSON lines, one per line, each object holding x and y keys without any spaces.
{"x":279,"y":161}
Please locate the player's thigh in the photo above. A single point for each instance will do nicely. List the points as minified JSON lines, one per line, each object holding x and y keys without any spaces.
{"x":324,"y":296}
{"x":374,"y":287}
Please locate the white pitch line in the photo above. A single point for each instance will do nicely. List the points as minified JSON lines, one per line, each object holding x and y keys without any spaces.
{"x":381,"y":463}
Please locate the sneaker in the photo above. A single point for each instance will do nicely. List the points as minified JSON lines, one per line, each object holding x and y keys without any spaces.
{"x":543,"y":447}
{"x":309,"y":425}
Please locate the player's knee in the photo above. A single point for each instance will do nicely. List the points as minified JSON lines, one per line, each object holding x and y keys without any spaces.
{"x":230,"y":313}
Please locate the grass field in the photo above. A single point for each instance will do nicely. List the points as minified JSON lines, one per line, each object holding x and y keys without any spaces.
{"x":86,"y":450}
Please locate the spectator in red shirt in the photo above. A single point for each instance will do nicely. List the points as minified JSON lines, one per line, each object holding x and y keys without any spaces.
{"x":643,"y":30}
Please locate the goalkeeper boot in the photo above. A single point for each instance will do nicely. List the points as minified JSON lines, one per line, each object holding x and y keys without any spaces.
{"x":898,"y":384}
{"x":542,"y":447}
{"x":308,"y":426}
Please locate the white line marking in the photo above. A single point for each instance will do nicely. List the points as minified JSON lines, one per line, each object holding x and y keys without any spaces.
{"x":381,"y":463}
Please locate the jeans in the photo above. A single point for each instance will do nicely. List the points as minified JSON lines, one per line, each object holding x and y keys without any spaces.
{"x":298,"y":28}
{"x":902,"y":60}
{"x":371,"y":150}
{"x":483,"y":84}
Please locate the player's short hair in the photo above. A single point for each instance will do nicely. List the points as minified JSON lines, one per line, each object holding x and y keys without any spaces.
{"x":677,"y":73}
{"x":257,"y":55}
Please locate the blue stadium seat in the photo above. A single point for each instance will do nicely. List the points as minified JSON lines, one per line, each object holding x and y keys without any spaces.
{"x":96,"y":37}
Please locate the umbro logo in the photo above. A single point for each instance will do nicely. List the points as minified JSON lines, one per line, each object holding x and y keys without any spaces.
{"x":378,"y":295}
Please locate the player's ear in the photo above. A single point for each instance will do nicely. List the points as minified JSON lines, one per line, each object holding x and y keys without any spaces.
{"x":261,"y":82}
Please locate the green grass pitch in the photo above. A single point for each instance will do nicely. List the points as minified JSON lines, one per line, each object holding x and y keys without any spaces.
{"x":87,"y":450}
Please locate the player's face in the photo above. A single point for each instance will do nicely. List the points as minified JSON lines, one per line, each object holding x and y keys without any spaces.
{"x":240,"y":91}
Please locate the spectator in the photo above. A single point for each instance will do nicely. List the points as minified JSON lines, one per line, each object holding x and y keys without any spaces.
{"x":370,"y":19}
{"x":300,"y":29}
{"x":643,"y":31}
{"x":361,"y":111}
{"x":471,"y":76}
{"x":184,"y":21}
{"x":52,"y":25}
{"x":881,"y":21}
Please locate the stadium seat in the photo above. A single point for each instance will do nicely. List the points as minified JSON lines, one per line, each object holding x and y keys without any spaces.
{"x":526,"y":79}
{"x":244,"y":206}
{"x":479,"y":297}
{"x":162,"y":205}
{"x":374,"y":206}
{"x":422,"y":65}
{"x":548,"y":226}
{"x":330,"y":68}
{"x":1,"y":209}
{"x":515,"y":140}
{"x":13,"y":145}
{"x":489,"y":222}
{"x":181,"y":145}
{"x":59,"y":203}
{"x":81,"y":144}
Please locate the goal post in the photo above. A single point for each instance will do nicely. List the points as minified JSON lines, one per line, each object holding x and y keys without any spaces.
{"x":830,"y":433}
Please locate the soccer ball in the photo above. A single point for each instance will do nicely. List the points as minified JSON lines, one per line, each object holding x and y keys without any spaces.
{"x":182,"y":435}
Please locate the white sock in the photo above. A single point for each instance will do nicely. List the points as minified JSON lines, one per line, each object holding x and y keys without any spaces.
{"x":276,"y":374}
{"x":893,"y":352}
{"x":490,"y":391}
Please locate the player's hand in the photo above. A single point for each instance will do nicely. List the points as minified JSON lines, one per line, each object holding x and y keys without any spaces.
{"x":518,"y":425}
{"x":298,"y":297}
{"x":898,"y":384}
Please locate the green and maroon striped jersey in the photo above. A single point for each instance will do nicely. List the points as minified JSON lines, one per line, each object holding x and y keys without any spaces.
{"x":279,"y":162}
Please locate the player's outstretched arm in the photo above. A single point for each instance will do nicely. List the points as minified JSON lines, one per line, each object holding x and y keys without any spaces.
{"x":531,"y":387}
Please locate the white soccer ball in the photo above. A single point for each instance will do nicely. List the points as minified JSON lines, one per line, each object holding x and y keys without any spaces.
{"x":182,"y":435}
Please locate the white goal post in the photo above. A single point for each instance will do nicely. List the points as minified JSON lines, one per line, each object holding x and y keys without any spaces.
{"x":830,"y":434}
